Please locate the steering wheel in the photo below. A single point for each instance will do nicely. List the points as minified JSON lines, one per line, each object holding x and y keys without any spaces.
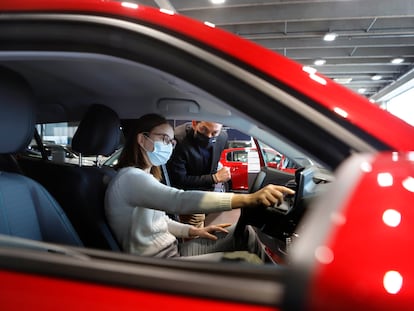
{"x":280,"y":219}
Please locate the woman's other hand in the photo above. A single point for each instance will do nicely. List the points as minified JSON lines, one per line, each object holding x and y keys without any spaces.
{"x":207,"y":232}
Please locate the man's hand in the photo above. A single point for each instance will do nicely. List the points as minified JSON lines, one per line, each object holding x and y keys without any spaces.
{"x":223,"y":175}
{"x":206,"y":232}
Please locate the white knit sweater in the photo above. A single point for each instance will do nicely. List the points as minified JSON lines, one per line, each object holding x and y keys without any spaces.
{"x":136,"y":204}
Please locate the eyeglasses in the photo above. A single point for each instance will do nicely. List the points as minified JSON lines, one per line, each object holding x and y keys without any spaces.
{"x":165,"y":138}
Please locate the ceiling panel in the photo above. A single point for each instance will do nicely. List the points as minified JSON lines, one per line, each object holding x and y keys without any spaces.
{"x":370,"y":34}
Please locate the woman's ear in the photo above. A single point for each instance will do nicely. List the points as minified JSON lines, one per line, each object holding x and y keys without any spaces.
{"x":140,"y":139}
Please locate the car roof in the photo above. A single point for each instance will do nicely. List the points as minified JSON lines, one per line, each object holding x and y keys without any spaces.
{"x":295,"y":77}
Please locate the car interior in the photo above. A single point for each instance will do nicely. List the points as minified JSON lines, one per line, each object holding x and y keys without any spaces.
{"x":80,"y":189}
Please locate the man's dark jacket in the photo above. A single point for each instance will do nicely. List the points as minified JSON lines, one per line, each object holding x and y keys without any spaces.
{"x":185,"y":168}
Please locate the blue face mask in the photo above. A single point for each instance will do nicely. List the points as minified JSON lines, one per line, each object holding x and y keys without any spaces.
{"x":161,"y":153}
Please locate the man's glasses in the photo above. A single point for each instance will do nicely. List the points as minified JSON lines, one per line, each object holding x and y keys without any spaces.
{"x":165,"y":138}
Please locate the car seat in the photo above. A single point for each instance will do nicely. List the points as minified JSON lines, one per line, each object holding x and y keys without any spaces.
{"x":80,"y":190}
{"x":98,"y":134}
{"x":27,"y":210}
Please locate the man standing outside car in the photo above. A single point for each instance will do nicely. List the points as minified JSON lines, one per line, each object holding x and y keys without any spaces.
{"x":194,"y":164}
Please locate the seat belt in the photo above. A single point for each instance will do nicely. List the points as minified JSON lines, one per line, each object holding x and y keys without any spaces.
{"x":40,"y":144}
{"x":166,"y":177}
{"x":168,"y":183}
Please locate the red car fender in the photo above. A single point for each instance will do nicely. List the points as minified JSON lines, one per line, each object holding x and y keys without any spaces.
{"x":364,"y":223}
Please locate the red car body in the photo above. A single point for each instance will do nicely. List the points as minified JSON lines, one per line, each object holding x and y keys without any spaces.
{"x":358,"y":257}
{"x":379,"y":245}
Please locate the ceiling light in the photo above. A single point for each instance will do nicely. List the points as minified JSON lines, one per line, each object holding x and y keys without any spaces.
{"x":312,"y":74}
{"x":129,"y":5}
{"x":397,"y":60}
{"x":309,"y":70}
{"x":341,"y":112}
{"x":343,"y":80}
{"x":319,"y":62}
{"x":362,"y":90}
{"x":209,"y":24}
{"x":330,"y":36}
{"x":217,"y":1}
{"x":376,"y":77}
{"x":165,"y":11}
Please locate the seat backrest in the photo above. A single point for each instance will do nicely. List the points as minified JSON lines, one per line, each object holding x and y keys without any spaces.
{"x":8,"y":163}
{"x":81,"y":189}
{"x":98,"y":133}
{"x":27,"y":210}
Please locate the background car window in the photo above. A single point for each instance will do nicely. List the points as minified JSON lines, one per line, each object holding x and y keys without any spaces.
{"x":57,"y":139}
{"x":275,"y":159}
{"x":240,"y":156}
{"x":271,"y":156}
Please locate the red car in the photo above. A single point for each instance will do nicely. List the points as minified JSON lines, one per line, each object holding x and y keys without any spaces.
{"x":341,"y":243}
{"x":244,"y":163}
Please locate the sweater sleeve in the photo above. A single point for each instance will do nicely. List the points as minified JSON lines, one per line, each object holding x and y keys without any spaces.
{"x":142,"y":189}
{"x":178,"y":229}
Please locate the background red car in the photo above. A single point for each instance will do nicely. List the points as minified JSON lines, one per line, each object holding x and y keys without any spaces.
{"x":244,"y":164}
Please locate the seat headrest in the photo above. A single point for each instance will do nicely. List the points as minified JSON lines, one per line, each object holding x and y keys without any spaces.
{"x":17,"y":112}
{"x":98,"y":132}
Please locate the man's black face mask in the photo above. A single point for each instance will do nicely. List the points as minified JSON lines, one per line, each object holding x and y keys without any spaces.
{"x":204,"y":141}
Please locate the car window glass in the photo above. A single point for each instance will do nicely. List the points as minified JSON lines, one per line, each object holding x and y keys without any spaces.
{"x":57,"y":139}
{"x":229,"y":157}
{"x":240,"y":156}
{"x":273,"y":158}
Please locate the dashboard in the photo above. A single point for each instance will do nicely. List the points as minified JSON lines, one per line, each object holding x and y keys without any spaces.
{"x":276,"y":226}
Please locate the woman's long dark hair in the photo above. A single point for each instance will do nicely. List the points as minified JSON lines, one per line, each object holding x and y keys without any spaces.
{"x":132,"y":154}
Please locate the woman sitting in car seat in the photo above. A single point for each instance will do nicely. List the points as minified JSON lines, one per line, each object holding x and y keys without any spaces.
{"x":137,"y":203}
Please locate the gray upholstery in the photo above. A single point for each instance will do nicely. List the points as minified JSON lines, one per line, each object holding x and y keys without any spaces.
{"x":26,"y":209}
{"x":8,"y":163}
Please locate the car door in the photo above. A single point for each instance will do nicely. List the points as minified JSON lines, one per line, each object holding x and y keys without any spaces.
{"x":236,"y":160}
